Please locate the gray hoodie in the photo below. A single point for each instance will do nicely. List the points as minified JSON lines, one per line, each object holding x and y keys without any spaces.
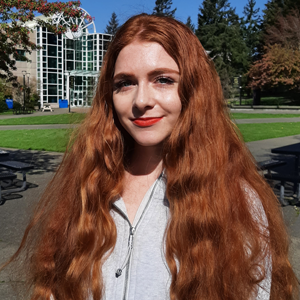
{"x":137,"y":269}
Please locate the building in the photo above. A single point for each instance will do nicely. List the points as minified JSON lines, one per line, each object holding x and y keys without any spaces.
{"x":71,"y":60}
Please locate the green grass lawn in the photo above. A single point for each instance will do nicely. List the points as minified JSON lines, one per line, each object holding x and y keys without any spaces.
{"x":237,"y":116}
{"x":57,"y":139}
{"x":8,"y":112}
{"x":39,"y":139}
{"x":73,"y":118}
{"x":263,"y":131}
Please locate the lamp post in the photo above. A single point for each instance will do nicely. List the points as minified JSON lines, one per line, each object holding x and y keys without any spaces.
{"x":28,"y":74}
{"x":24,"y":86}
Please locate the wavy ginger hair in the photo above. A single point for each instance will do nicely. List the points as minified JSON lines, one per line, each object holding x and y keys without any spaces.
{"x":206,"y":164}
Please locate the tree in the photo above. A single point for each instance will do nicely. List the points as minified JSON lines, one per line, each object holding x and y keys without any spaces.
{"x":14,"y":34}
{"x":220,"y":33}
{"x":163,"y":8}
{"x":113,"y":24}
{"x":286,"y":31}
{"x":190,"y":24}
{"x":251,"y":28}
{"x":279,"y":66}
{"x":275,"y":8}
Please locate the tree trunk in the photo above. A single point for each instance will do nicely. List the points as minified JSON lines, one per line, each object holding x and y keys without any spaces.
{"x":256,"y":96}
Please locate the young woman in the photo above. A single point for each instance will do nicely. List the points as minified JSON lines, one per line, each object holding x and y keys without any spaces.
{"x":158,"y":197}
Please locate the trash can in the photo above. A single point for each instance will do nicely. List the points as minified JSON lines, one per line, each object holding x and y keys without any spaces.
{"x":9,"y":103}
{"x":63,"y":103}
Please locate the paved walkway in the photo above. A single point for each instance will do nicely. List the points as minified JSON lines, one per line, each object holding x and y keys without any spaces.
{"x":16,"y":211}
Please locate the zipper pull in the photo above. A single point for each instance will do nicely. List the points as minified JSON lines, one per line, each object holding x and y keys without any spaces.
{"x":130,"y":245}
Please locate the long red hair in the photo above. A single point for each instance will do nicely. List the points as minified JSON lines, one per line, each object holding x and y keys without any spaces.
{"x":207,"y":167}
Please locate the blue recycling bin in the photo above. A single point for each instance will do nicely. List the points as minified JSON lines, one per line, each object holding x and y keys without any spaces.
{"x":63,"y":103}
{"x":9,"y":103}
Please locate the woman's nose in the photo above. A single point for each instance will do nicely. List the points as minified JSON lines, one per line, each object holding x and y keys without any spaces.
{"x":143,"y":98}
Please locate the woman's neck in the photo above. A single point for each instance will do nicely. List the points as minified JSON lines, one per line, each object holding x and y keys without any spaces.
{"x":145,"y":160}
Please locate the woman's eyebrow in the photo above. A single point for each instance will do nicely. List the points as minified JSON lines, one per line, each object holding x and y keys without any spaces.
{"x":162,"y":71}
{"x":123,"y":76}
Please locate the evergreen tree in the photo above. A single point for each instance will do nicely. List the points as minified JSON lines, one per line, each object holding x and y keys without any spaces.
{"x":113,"y":25}
{"x":274,"y":8}
{"x":190,"y":24}
{"x":251,"y":29}
{"x":163,"y":8}
{"x":220,"y":33}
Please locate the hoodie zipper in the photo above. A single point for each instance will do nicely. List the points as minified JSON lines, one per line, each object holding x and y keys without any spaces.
{"x":132,"y":231}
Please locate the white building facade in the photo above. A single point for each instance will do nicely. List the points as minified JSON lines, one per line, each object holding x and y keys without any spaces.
{"x":73,"y":54}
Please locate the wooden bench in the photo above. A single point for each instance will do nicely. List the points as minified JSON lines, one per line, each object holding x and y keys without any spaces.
{"x":5,"y":177}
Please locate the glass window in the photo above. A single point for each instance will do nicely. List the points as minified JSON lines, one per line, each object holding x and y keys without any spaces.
{"x":52,"y":39}
{"x":78,"y":65}
{"x":52,"y":99}
{"x":78,"y":55}
{"x":90,"y":56}
{"x":69,"y":44}
{"x":38,"y":65}
{"x":70,"y":65}
{"x":59,"y":54}
{"x":44,"y":65}
{"x":52,"y":50}
{"x":44,"y":80}
{"x":45,"y":86}
{"x":60,"y":81}
{"x":90,"y":66}
{"x":52,"y":62}
{"x":90,"y":45}
{"x":106,"y":37}
{"x":70,"y":54}
{"x":45,"y":98}
{"x":90,"y":37}
{"x":59,"y":48}
{"x":38,"y":29}
{"x":52,"y":89}
{"x":44,"y":41}
{"x":59,"y":76}
{"x":21,"y":55}
{"x":44,"y":34}
{"x":59,"y":42}
{"x":59,"y":60}
{"x":52,"y":78}
{"x":78,"y":80}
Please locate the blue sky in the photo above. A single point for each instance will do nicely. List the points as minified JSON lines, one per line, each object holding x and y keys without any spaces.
{"x":102,"y":9}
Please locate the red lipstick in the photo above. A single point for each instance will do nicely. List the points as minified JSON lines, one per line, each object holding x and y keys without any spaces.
{"x":145,"y":122}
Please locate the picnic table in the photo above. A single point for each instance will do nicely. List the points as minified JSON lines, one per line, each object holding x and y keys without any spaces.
{"x":293,"y":177}
{"x":13,"y":166}
{"x":3,"y":155}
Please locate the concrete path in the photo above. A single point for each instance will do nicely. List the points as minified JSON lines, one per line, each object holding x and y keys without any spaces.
{"x":267,"y":120}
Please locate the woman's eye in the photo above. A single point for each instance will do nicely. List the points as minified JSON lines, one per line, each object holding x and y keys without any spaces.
{"x":165,"y":80}
{"x":118,"y":86}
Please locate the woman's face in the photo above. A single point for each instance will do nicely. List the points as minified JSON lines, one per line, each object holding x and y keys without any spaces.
{"x":145,"y":92}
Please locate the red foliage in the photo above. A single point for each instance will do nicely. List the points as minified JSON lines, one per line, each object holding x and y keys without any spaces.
{"x":280,"y":65}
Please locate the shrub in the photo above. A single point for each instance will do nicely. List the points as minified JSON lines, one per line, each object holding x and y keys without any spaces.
{"x":3,"y":106}
{"x":16,"y":105}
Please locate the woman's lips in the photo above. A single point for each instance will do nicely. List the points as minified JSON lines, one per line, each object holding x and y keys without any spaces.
{"x":144,"y":122}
